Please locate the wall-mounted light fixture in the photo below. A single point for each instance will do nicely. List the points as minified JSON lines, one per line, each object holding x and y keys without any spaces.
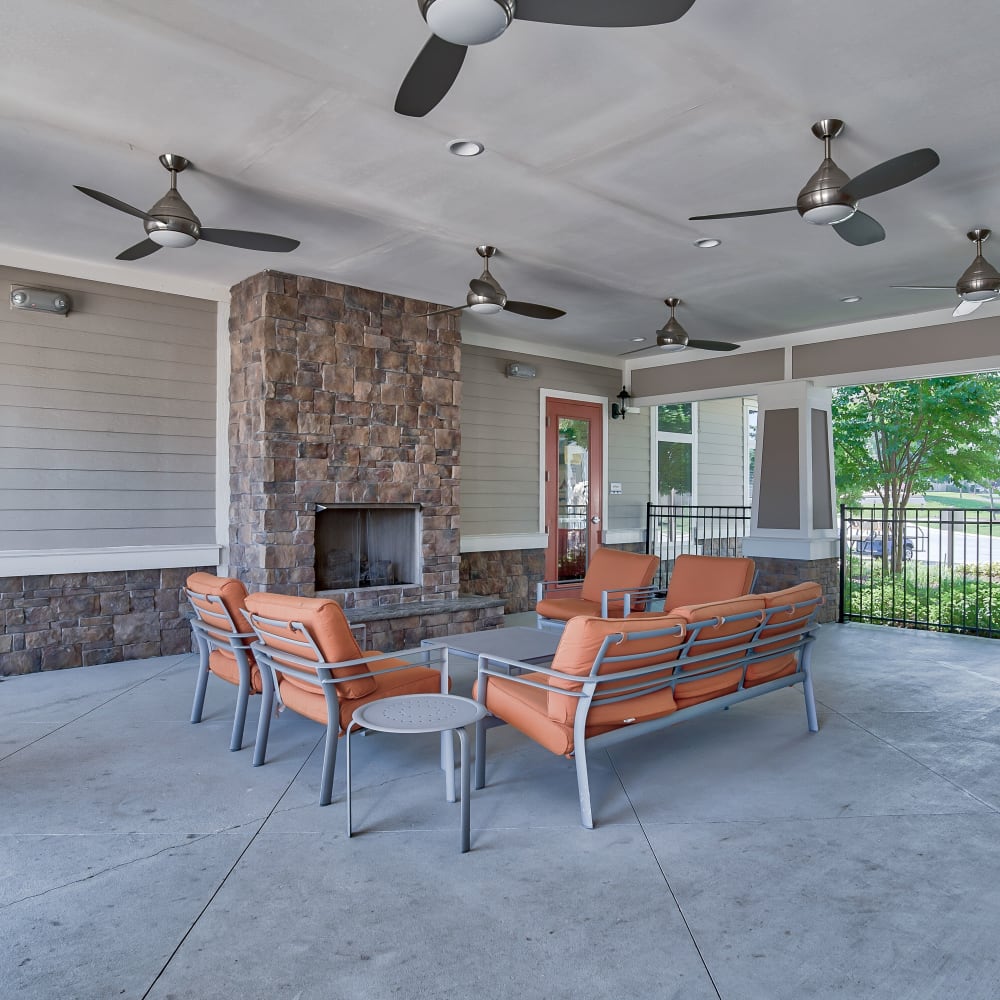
{"x":518,"y":369}
{"x":40,"y":299}
{"x":619,"y":409}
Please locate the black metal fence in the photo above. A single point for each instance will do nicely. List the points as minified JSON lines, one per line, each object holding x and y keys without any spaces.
{"x":930,"y":568}
{"x":699,"y":530}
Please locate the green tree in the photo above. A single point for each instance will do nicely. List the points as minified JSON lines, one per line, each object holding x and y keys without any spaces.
{"x":893,"y":438}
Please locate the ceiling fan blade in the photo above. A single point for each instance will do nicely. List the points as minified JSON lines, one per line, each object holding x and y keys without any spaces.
{"x":965,"y":307}
{"x":249,"y":241}
{"x":602,"y":13}
{"x":430,"y":77}
{"x":743,"y":215}
{"x":925,"y":287}
{"x":712,"y":345}
{"x":139,"y":250}
{"x":891,"y":174}
{"x":533,"y":311}
{"x":639,"y":350}
{"x":860,"y":230}
{"x":106,"y":199}
{"x":438,"y":312}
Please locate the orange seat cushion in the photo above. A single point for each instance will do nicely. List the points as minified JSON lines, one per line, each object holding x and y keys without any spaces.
{"x":324,"y":620}
{"x":564,"y":608}
{"x":705,"y":579}
{"x":309,"y":700}
{"x":223,"y":664}
{"x":525,"y":708}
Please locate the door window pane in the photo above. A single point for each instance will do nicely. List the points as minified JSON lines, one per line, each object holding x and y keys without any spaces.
{"x":574,"y":498}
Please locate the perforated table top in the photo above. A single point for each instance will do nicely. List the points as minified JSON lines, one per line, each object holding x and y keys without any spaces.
{"x":418,"y":713}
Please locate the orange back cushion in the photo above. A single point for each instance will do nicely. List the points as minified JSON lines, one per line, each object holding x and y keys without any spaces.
{"x":704,"y":579}
{"x":325,"y":622}
{"x":611,"y":569}
{"x":721,"y":636}
{"x":232,"y":593}
{"x":787,"y":621}
{"x":581,"y":642}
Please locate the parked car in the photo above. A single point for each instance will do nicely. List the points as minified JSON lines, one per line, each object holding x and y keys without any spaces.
{"x":873,"y":547}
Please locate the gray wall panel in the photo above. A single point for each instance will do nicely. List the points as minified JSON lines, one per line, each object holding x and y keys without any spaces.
{"x":778,"y":472}
{"x":107,"y":419}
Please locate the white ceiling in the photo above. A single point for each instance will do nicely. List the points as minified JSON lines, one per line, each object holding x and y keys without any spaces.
{"x":600,"y":143}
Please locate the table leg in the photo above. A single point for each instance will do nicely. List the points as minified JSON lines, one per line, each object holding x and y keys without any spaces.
{"x":347,"y":742}
{"x":447,"y":742}
{"x":463,"y":739}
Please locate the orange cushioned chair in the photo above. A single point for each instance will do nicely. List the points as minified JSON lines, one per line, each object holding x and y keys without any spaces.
{"x":223,"y":638}
{"x":701,"y":579}
{"x":314,"y":666}
{"x":616,"y":583}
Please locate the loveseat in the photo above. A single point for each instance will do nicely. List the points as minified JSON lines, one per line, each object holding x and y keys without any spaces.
{"x":615,"y":679}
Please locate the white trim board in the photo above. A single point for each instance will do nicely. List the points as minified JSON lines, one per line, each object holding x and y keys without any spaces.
{"x":53,"y":562}
{"x":504,"y":543}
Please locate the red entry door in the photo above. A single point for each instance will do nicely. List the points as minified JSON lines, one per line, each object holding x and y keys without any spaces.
{"x":574,"y":485}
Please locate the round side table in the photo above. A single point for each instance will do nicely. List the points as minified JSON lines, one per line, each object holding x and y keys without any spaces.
{"x":420,"y":713}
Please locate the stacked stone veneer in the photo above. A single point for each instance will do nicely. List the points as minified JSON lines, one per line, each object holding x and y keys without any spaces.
{"x":79,"y":619}
{"x":339,"y":395}
{"x":513,"y":575}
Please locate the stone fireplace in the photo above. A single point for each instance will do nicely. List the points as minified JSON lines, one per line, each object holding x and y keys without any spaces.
{"x":342,"y":400}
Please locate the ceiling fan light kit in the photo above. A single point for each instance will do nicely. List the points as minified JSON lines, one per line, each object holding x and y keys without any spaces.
{"x":467,"y":22}
{"x":672,"y":337}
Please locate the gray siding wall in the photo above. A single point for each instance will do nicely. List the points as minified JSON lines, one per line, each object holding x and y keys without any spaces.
{"x":107,"y":418}
{"x":721,"y":452}
{"x":500,"y":442}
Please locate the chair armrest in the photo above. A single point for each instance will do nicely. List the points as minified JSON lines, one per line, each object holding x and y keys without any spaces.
{"x":545,"y":586}
{"x":628,"y":594}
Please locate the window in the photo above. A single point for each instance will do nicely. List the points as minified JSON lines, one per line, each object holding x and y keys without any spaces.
{"x":674,"y":453}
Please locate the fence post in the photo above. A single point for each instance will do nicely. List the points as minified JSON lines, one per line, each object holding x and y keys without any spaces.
{"x":843,"y":562}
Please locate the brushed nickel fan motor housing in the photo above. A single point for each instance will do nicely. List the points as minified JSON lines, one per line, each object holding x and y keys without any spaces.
{"x":672,"y":336}
{"x":467,"y":22}
{"x":172,"y":223}
{"x":980,"y":281}
{"x":821,"y":201}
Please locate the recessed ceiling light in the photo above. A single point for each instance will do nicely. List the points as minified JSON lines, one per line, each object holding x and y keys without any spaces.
{"x":851,"y":299}
{"x":466,"y":147}
{"x":638,"y":340}
{"x":707,"y":242}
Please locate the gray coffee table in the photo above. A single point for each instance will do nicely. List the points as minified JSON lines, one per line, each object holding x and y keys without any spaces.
{"x":421,"y":713}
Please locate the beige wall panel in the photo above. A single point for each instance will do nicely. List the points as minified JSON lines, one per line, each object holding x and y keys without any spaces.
{"x":736,"y":369}
{"x":107,"y":418}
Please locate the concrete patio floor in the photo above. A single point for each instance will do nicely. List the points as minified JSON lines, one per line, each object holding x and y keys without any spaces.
{"x":735,"y":857}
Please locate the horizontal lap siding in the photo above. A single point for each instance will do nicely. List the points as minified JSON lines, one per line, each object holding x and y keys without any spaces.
{"x":107,"y":419}
{"x":721,"y":452}
{"x":500,"y":441}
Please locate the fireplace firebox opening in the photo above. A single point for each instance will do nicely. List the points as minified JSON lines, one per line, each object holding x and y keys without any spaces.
{"x":367,"y":545}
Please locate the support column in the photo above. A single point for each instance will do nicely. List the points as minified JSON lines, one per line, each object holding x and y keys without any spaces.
{"x":793,"y":528}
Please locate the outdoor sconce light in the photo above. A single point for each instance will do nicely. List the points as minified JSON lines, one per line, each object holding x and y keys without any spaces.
{"x":619,"y":409}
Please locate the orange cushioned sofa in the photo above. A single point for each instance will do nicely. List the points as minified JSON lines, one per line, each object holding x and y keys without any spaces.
{"x":312,"y":664}
{"x":615,"y":584}
{"x":611,"y":680}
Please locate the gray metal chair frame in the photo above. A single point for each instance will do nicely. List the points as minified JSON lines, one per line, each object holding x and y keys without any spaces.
{"x":667,"y":673}
{"x":236,"y":642}
{"x":626,"y":596}
{"x":319,"y":674}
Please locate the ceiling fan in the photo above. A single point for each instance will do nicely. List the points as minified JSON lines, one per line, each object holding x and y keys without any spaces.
{"x":830,"y":197}
{"x":486,"y":296}
{"x":172,"y":223}
{"x":979,"y":283}
{"x":672,"y":337}
{"x":457,"y":24}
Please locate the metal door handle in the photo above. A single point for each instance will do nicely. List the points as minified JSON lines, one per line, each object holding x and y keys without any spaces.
{"x":595,"y":520}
